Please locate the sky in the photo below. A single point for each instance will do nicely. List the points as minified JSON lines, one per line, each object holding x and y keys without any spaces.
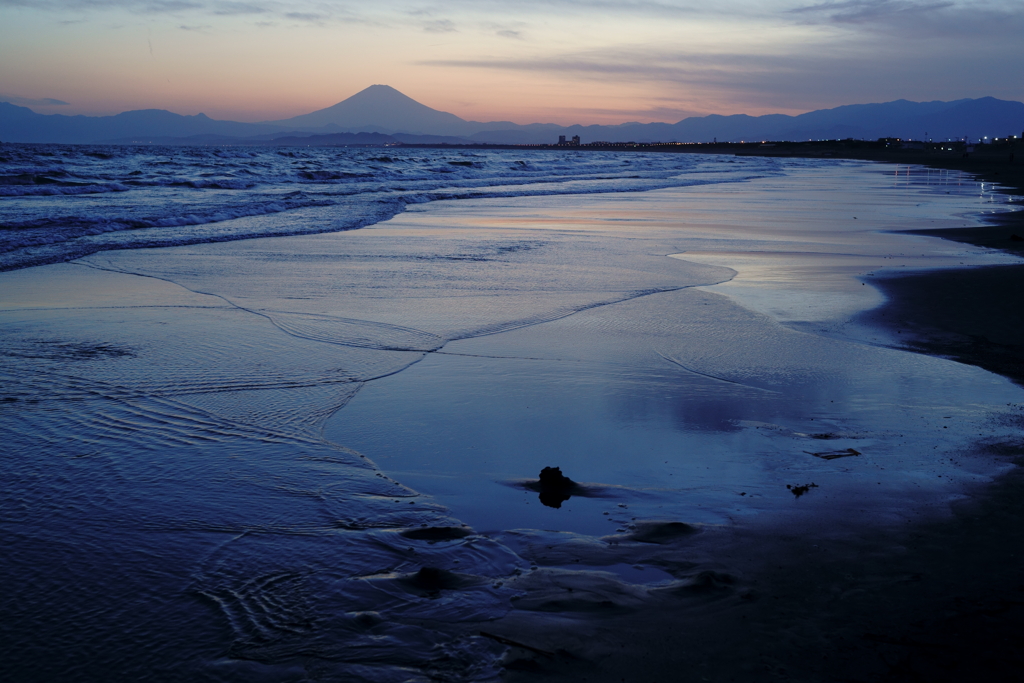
{"x":558,"y":61}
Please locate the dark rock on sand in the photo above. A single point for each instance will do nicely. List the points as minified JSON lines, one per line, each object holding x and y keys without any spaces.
{"x":555,"y":488}
{"x":552,"y":479}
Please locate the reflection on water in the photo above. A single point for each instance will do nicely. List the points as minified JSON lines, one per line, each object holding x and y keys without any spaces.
{"x":908,"y":176}
{"x":615,"y":413}
{"x":269,"y":460}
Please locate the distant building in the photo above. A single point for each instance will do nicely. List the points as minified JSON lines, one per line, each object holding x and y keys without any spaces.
{"x":573,"y":142}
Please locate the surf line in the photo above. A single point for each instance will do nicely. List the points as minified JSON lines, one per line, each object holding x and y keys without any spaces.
{"x":675,"y":362}
{"x":481,"y":355}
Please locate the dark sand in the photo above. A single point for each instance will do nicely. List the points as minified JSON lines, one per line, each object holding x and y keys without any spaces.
{"x":938,"y":601}
{"x":972,"y":316}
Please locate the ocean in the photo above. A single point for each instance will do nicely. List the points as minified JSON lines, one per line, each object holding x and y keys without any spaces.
{"x":61,"y":202}
{"x":279,"y":414}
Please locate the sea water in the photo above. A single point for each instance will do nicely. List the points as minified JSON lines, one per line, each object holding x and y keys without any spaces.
{"x":65,"y":201}
{"x":229,"y":458}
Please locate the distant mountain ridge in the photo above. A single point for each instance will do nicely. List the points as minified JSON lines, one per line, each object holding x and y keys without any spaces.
{"x":382,"y":110}
{"x":20,"y":124}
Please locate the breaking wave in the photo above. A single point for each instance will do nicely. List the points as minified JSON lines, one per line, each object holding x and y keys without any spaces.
{"x":135,"y":197}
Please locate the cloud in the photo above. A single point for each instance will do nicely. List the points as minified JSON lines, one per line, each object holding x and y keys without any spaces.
{"x":594,"y":7}
{"x":82,"y":6}
{"x":782,"y":52}
{"x":227,"y":8}
{"x":317,"y":12}
{"x":238,"y":8}
{"x":657,"y":113}
{"x":920,"y":19}
{"x":806,"y":76}
{"x":440,"y":26}
{"x":869,"y":7}
{"x":628,"y":63}
{"x":29,"y":102}
{"x":863,"y":11}
{"x":311,"y":17}
{"x":164,"y":6}
{"x":331,"y":8}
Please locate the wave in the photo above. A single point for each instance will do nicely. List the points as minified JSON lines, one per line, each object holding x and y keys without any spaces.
{"x":139,"y":197}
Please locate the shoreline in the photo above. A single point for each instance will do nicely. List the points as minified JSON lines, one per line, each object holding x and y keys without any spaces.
{"x":973,"y":316}
{"x":992,"y":162}
{"x":969,"y":620}
{"x":798,"y":602}
{"x":740,"y":615}
{"x":939,"y":601}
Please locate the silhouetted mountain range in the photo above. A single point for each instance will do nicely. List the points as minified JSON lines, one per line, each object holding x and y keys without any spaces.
{"x":381,"y":109}
{"x":20,"y":124}
{"x":380,"y":114}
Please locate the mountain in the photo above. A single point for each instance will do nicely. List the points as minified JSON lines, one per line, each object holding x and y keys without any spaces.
{"x":975,"y":119}
{"x":290,"y":139}
{"x":383,"y":110}
{"x":21,"y":124}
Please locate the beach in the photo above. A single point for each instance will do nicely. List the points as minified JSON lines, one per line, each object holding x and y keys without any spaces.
{"x":316,"y":455}
{"x":938,"y":602}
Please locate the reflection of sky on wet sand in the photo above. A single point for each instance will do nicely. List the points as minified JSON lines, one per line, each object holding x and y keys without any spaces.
{"x":664,"y":440}
{"x":170,"y":406}
{"x":682,"y":400}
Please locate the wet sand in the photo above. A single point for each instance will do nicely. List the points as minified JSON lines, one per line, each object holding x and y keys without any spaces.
{"x":972,"y":316}
{"x":825,"y":593}
{"x":939,"y":601}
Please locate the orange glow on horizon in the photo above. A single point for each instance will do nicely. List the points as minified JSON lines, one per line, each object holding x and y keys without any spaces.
{"x":643,"y":62}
